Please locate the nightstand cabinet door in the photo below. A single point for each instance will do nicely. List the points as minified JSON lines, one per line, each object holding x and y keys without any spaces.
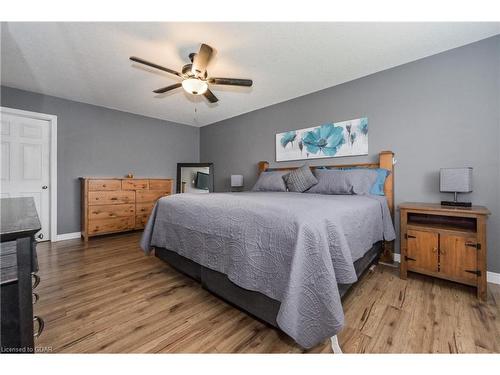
{"x":422,"y":248}
{"x":458,"y":257}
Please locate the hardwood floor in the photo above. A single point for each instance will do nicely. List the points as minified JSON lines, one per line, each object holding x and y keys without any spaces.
{"x":107,"y":296}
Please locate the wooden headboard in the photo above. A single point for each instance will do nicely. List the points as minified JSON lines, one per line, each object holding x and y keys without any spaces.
{"x":386,"y":161}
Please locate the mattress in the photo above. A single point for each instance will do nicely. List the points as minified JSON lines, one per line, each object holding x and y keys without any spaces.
{"x":256,"y":304}
{"x":291,"y":247}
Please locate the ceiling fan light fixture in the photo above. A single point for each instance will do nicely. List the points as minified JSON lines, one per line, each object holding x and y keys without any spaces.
{"x":195,"y":86}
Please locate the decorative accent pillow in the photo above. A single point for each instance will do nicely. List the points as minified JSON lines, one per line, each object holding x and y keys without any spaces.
{"x":270,"y":181}
{"x":300,"y":179}
{"x":336,"y":181}
{"x":378,"y":186}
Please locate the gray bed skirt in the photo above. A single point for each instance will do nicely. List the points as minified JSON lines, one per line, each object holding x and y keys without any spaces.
{"x":254,"y":303}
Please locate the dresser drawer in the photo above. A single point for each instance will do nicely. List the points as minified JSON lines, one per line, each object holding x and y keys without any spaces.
{"x":108,"y":211}
{"x":144,"y":208}
{"x":141,"y":221}
{"x":111,"y":197}
{"x":104,"y":185}
{"x":149,"y":195}
{"x":111,"y":225}
{"x":135,"y":184}
{"x":165,"y":185}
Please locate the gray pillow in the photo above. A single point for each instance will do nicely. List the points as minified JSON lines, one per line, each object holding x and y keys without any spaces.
{"x":300,"y":179}
{"x":335,"y":181}
{"x":270,"y":181}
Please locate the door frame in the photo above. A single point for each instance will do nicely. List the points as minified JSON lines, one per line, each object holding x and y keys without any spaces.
{"x":52,"y":119}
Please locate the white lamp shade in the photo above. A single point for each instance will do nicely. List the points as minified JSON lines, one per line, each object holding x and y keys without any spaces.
{"x":236,"y":180}
{"x":455,"y":180}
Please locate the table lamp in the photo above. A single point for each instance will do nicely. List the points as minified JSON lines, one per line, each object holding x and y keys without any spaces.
{"x":455,"y":180}
{"x":236,"y":182}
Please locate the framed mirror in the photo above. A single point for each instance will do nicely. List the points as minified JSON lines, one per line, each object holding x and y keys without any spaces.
{"x":195,"y":178}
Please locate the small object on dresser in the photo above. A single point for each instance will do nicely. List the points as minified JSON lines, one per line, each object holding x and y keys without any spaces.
{"x":455,"y":180}
{"x":130,"y":175}
{"x":236,"y":182}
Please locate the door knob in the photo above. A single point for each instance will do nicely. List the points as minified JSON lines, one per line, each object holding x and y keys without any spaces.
{"x":44,"y":187}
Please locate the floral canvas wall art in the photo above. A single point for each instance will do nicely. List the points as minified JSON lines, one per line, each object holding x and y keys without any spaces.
{"x":346,"y":138}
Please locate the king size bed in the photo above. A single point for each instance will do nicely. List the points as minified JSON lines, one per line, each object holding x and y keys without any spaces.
{"x":286,"y":258}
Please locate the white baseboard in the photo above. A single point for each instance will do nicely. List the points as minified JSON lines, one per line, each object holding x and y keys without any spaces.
{"x":491,"y":277}
{"x":67,"y":236}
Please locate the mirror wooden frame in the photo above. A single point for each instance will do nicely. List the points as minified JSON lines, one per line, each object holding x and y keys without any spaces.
{"x":191,"y":165}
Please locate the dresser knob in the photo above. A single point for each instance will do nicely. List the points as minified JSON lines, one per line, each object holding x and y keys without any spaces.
{"x":36,"y":297}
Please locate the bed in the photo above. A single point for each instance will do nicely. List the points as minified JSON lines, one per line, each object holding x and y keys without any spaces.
{"x":285,"y":258}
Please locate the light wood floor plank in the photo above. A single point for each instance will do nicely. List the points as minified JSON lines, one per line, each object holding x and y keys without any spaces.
{"x":107,"y":296}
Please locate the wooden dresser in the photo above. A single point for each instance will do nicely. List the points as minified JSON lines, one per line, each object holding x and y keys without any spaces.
{"x":111,"y":205}
{"x":445,"y":242}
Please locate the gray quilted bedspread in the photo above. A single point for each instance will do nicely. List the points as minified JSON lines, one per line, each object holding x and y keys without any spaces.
{"x":292,"y":247}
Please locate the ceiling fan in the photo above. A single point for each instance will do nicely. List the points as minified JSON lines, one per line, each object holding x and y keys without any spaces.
{"x":195,"y":79}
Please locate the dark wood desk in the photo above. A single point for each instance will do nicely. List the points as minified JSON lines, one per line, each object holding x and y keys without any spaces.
{"x":18,"y":267}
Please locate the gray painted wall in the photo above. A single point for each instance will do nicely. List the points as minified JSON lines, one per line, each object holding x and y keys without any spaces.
{"x":95,"y":141}
{"x":441,"y":111}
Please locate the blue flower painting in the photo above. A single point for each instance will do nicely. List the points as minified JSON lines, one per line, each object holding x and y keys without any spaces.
{"x":326,"y":139}
{"x":346,"y":138}
{"x":363,"y":126}
{"x":287,"y":138}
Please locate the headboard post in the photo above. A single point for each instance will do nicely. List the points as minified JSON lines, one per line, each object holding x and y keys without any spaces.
{"x":386,"y":161}
{"x":263,"y":166}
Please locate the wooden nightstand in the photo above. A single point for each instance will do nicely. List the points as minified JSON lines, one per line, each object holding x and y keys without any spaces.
{"x":445,"y":242}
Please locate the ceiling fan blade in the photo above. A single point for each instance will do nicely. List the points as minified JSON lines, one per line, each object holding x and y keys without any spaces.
{"x":168,"y":88}
{"x":210,"y":96}
{"x":153,"y":65}
{"x":231,"y":81}
{"x":201,"y":59}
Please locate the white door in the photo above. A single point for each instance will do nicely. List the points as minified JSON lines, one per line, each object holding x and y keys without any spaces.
{"x":25,"y":153}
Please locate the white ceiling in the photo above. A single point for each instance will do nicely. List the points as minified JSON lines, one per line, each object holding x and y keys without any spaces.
{"x":88,"y":62}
